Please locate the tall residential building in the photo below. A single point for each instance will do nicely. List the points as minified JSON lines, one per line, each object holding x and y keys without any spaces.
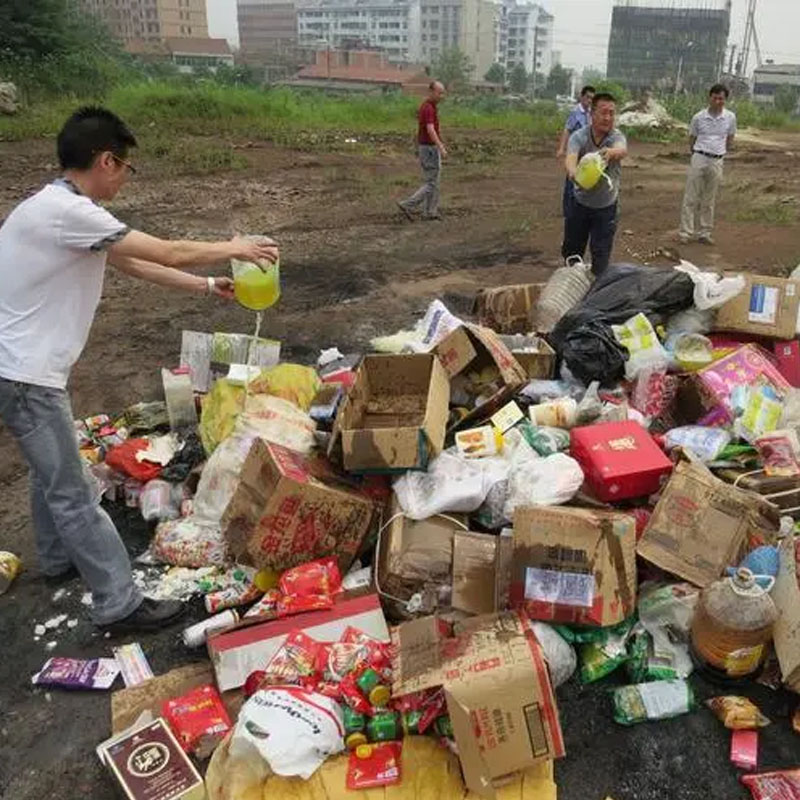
{"x":469,"y":25}
{"x":151,"y":20}
{"x":666,"y":44}
{"x":392,"y":26}
{"x":525,"y":36}
{"x":268,"y":31}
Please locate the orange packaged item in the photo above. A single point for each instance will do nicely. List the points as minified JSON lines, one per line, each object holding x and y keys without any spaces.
{"x":198,"y":719}
{"x":373,"y":765}
{"x":291,"y":604}
{"x":295,"y":662}
{"x":737,"y":713}
{"x":320,"y":577}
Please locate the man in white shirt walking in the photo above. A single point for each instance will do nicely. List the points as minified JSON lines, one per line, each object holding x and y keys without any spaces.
{"x":711,"y":135}
{"x":53,"y":252}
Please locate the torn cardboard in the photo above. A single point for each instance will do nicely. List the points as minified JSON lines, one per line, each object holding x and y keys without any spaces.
{"x":786,"y":633}
{"x":508,"y":309}
{"x":395,"y":414}
{"x":289,"y":508}
{"x":481,"y":568}
{"x":575,"y":566}
{"x":533,"y":354}
{"x":701,"y":525}
{"x":497,"y":688}
{"x":768,"y":306}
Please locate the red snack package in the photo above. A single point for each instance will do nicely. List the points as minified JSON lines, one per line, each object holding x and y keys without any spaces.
{"x":253,"y":682}
{"x":291,"y":604}
{"x":330,"y":689}
{"x":198,"y":719}
{"x":295,"y":662}
{"x":352,"y":696}
{"x":123,"y":459}
{"x":373,"y":765}
{"x":780,"y":785}
{"x":267,"y":606}
{"x":339,"y":659}
{"x":320,"y":577}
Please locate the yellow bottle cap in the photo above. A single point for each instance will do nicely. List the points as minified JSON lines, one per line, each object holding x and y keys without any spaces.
{"x":355,"y":741}
{"x":363,"y":750}
{"x":266,"y":579}
{"x":380,"y":696}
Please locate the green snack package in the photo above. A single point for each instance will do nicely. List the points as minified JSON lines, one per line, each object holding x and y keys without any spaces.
{"x":596,"y":662}
{"x":643,"y":665}
{"x":579,"y":635}
{"x":545,"y":441}
{"x":645,"y":702}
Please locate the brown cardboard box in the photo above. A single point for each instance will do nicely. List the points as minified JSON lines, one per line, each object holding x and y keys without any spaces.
{"x":289,"y":508}
{"x":701,"y":525}
{"x":767,"y":306}
{"x":481,"y":570}
{"x":497,"y":688}
{"x":395,"y":415}
{"x":508,"y":309}
{"x":574,"y":565}
{"x":534,"y":355}
{"x":471,"y":349}
{"x":786,"y":634}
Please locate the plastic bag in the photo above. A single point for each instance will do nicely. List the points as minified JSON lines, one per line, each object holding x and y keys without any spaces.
{"x":710,"y":289}
{"x":605,"y":653}
{"x":189,"y":543}
{"x":123,"y":459}
{"x":292,"y":729}
{"x":590,"y":171}
{"x":294,"y":383}
{"x":593,"y":354}
{"x":650,"y":395}
{"x":639,"y":338}
{"x":737,"y":713}
{"x":558,"y":653}
{"x":437,"y":323}
{"x":160,"y":500}
{"x":705,"y":443}
{"x":198,"y":719}
{"x":780,"y":453}
{"x":546,"y":481}
{"x":643,"y":665}
{"x":590,"y":406}
{"x":645,"y":702}
{"x":762,"y":412}
{"x":545,"y":441}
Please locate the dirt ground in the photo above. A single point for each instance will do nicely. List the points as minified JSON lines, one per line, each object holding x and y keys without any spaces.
{"x":353,"y":268}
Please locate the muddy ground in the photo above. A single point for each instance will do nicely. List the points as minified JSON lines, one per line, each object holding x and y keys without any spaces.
{"x":353,"y":268}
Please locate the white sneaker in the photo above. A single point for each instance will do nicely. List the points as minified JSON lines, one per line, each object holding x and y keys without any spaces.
{"x":684,"y":239}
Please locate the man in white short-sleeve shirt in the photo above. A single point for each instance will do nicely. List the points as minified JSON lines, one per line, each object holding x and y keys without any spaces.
{"x":711,"y":135}
{"x":53,"y":252}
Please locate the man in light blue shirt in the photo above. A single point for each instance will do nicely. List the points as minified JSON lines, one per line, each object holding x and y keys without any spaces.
{"x":579,"y":117}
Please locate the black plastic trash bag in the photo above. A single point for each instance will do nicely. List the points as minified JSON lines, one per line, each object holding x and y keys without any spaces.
{"x":593,"y":354}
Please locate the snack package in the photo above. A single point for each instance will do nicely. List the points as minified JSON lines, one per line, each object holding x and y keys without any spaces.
{"x":643,"y":664}
{"x":235,"y":595}
{"x":295,"y":662}
{"x":762,"y":410}
{"x":74,"y":673}
{"x":10,"y":567}
{"x":705,"y":443}
{"x":599,"y":659}
{"x":198,"y":719}
{"x":737,"y":713}
{"x":290,"y":604}
{"x":373,"y":765}
{"x":780,"y":453}
{"x":744,"y":749}
{"x":320,"y":577}
{"x":267,"y":606}
{"x":645,"y":702}
{"x":780,"y":785}
{"x":546,"y":441}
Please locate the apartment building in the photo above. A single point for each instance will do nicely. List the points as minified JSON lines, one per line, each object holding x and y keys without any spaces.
{"x":151,"y":20}
{"x":525,"y":37}
{"x":267,"y":30}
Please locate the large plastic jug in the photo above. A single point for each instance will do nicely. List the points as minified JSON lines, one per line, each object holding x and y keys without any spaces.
{"x":256,"y":285}
{"x":732,"y":626}
{"x":591,"y":170}
{"x":567,"y":286}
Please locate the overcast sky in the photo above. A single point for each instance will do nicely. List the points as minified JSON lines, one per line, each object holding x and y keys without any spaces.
{"x":582,"y":26}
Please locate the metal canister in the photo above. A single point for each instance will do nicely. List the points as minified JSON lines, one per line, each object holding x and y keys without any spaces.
{"x":369,"y":683}
{"x":384,"y":727}
{"x":195,"y":635}
{"x":353,"y":721}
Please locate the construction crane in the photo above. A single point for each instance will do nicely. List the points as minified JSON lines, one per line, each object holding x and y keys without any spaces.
{"x":750,"y":40}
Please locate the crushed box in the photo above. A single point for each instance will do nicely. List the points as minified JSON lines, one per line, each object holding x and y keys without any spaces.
{"x":395,"y":415}
{"x":573,"y":565}
{"x":786,"y":634}
{"x":508,"y":309}
{"x":533,"y":354}
{"x":289,"y":508}
{"x":767,"y":306}
{"x":497,"y":687}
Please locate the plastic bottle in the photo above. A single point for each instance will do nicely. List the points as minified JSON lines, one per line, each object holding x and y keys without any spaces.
{"x":256,"y":286}
{"x":733,"y":625}
{"x":566,"y":288}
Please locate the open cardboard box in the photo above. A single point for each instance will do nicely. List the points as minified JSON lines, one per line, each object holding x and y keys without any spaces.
{"x":508,"y":309}
{"x":395,"y":415}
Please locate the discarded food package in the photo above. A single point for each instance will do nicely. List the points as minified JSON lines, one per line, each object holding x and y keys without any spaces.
{"x":508,"y":309}
{"x":768,"y":306}
{"x":558,"y":652}
{"x":73,"y":673}
{"x":148,"y":762}
{"x":737,"y":713}
{"x":198,"y":719}
{"x":779,"y":785}
{"x":395,"y":414}
{"x":179,"y":397}
{"x":237,"y":652}
{"x":786,"y":633}
{"x":645,"y":702}
{"x":10,"y":567}
{"x":533,"y":354}
{"x":479,"y":442}
{"x":498,"y":692}
{"x":483,"y":373}
{"x":620,"y":460}
{"x":701,"y":525}
{"x":744,"y":749}
{"x":289,"y":508}
{"x":574,"y":565}
{"x":787,"y":355}
{"x":292,"y":729}
{"x":373,"y":765}
{"x":123,"y":459}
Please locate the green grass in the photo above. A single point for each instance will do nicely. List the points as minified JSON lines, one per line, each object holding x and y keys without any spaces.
{"x":748,"y":114}
{"x":775,"y":213}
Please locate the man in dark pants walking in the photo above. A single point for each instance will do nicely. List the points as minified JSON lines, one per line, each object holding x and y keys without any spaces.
{"x":592,"y":217}
{"x":431,"y":153}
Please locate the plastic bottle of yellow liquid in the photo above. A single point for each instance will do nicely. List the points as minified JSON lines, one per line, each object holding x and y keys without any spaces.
{"x":256,"y":286}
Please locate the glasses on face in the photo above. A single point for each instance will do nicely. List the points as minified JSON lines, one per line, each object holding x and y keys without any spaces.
{"x":124,"y":163}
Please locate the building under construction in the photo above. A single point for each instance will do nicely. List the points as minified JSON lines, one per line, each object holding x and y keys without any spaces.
{"x":668,"y":44}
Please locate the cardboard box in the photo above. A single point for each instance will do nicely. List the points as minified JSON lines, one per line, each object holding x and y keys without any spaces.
{"x":471,"y":348}
{"x":508,"y":309}
{"x":289,"y":508}
{"x":395,"y":415}
{"x":236,"y":652}
{"x":574,"y":565}
{"x":744,"y":749}
{"x":788,"y":357}
{"x":481,"y":569}
{"x":620,"y":460}
{"x":534,"y":355}
{"x":786,"y":633}
{"x":497,"y":688}
{"x":701,"y":525}
{"x":149,"y":763}
{"x":768,"y":306}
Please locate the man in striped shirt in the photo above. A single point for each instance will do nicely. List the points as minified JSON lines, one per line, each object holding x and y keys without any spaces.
{"x":711,"y":134}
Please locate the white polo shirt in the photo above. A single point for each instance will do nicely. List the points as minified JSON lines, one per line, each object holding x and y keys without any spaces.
{"x":712,"y":131}
{"x":52,"y":264}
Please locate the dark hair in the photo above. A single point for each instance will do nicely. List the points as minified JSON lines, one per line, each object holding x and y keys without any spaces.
{"x":603,"y":97}
{"x":720,"y":88}
{"x":89,"y":131}
{"x":587,"y":89}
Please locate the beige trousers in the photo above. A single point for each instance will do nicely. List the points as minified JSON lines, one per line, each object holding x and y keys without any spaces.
{"x":702,"y":182}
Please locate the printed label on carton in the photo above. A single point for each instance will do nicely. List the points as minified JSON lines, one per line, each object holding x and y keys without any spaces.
{"x":564,"y":588}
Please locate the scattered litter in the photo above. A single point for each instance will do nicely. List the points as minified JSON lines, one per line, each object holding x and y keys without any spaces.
{"x":40,"y":630}
{"x":60,"y":594}
{"x":10,"y":567}
{"x":133,"y":664}
{"x":86,"y":599}
{"x":72,"y":623}
{"x":51,"y":645}
{"x":54,"y":622}
{"x":72,"y":673}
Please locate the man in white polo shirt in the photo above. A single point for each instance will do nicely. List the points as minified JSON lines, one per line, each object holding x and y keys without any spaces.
{"x":53,"y":252}
{"x":711,"y":136}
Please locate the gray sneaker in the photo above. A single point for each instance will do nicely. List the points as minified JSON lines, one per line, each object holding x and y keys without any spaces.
{"x":705,"y":240}
{"x":408,"y":215}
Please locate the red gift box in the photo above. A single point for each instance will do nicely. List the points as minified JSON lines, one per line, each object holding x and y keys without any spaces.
{"x":620,"y":460}
{"x":788,"y":356}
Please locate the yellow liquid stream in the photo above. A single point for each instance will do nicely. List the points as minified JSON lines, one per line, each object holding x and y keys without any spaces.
{"x":257,"y":290}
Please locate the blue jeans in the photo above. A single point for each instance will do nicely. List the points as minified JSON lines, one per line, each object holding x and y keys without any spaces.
{"x":594,"y":226}
{"x":70,"y":526}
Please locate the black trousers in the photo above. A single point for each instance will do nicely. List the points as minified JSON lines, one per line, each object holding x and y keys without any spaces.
{"x":593,"y":226}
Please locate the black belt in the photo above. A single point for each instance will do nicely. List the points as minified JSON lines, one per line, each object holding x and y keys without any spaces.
{"x":708,"y":155}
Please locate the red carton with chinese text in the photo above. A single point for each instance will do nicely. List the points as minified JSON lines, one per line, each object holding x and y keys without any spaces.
{"x":289,"y":508}
{"x":620,"y":460}
{"x":788,"y":356}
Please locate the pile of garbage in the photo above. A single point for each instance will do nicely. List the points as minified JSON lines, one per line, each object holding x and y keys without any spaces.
{"x":9,"y":104}
{"x":404,"y":554}
{"x":646,"y":112}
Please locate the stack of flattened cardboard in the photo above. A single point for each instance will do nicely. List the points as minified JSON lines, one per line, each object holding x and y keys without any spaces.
{"x":508,"y":309}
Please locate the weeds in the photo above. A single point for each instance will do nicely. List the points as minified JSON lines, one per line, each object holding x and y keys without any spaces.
{"x":781,"y":212}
